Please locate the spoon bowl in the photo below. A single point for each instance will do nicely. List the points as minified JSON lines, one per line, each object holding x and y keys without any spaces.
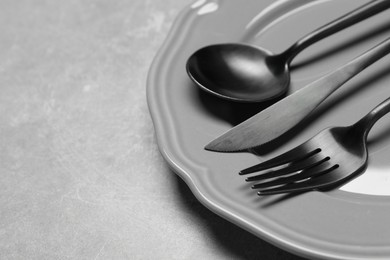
{"x":238,"y":72}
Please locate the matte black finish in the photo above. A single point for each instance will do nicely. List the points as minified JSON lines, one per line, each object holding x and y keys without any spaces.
{"x":244,"y":73}
{"x":329,"y":159}
{"x":276,"y":120}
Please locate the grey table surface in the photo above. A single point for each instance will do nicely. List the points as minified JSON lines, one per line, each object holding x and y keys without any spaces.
{"x":81,"y":174}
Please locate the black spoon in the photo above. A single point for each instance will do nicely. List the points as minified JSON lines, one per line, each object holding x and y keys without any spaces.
{"x":245,"y":73}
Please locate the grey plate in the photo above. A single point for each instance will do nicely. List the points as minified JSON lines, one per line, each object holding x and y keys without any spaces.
{"x":348,"y":223}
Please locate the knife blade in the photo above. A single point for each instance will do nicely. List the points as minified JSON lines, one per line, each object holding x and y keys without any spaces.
{"x":282,"y":116}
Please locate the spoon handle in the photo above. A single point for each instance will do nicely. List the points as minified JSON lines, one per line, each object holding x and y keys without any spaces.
{"x":355,"y":16}
{"x":367,"y":122}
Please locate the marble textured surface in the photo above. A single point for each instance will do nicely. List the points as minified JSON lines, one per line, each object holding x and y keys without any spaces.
{"x":81,"y":174}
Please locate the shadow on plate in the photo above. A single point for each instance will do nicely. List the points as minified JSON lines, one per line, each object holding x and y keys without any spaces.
{"x":269,"y":201}
{"x":235,"y":242}
{"x":231,"y":112}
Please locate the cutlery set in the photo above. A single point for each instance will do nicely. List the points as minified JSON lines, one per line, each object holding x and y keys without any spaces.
{"x":329,"y":159}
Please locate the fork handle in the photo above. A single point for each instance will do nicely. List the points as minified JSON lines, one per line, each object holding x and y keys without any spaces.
{"x":368,"y":121}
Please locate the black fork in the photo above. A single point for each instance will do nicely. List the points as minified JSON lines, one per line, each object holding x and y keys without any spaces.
{"x":329,"y":159}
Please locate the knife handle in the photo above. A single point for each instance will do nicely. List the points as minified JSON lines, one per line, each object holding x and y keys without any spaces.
{"x":320,"y":89}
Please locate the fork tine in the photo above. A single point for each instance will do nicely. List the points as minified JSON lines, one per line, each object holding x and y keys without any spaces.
{"x":305,"y":185}
{"x":296,"y":154}
{"x":311,"y":171}
{"x":309,"y":161}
